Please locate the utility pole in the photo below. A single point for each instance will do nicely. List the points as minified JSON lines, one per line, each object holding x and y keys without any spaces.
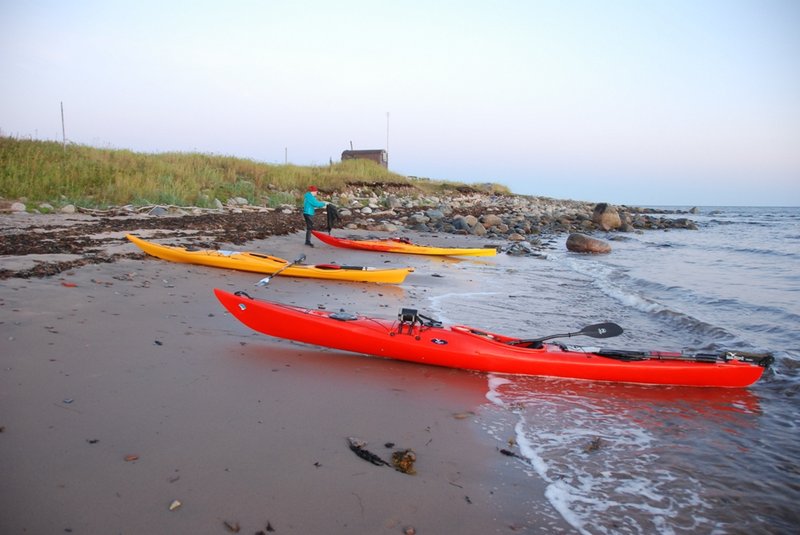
{"x":63,"y":130}
{"x":387,"y":139}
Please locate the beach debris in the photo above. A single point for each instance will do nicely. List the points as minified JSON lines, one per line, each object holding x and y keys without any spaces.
{"x":66,"y":284}
{"x":132,"y":457}
{"x":389,"y":445}
{"x":409,"y":530}
{"x":68,"y":401}
{"x":175,"y":505}
{"x":468,"y":500}
{"x":92,"y":440}
{"x":358,"y":447}
{"x":509,"y":453}
{"x":595,"y":444}
{"x":233,"y":527}
{"x":158,"y":342}
{"x":463,"y":415}
{"x":403,"y":461}
{"x":268,"y":529}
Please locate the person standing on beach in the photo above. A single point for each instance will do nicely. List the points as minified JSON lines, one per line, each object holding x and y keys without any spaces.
{"x":310,"y":204}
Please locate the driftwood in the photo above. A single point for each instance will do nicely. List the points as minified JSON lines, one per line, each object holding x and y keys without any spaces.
{"x":358,"y":447}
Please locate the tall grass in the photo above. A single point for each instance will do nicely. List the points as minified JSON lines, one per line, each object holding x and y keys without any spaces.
{"x":46,"y":171}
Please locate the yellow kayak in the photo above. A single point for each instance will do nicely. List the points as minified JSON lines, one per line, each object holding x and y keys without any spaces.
{"x":401,"y":245}
{"x":261,"y":263}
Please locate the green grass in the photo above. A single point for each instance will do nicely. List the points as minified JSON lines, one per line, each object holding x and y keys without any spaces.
{"x":46,"y":171}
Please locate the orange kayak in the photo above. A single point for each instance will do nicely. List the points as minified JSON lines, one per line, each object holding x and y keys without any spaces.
{"x":414,"y":338}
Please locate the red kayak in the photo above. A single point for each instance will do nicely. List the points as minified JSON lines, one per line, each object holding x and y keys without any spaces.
{"x":402,"y":245}
{"x":415,"y":338}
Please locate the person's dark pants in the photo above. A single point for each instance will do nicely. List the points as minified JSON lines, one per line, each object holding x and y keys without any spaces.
{"x":309,"y":227}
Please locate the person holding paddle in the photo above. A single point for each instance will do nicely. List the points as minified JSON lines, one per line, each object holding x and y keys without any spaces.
{"x":310,"y":204}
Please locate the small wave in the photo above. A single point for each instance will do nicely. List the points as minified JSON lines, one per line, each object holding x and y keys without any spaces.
{"x":740,"y":222}
{"x":682,"y":322}
{"x":635,"y":459}
{"x":597,"y":456}
{"x":752,"y":252}
{"x":495,"y":382}
{"x":439,"y":303}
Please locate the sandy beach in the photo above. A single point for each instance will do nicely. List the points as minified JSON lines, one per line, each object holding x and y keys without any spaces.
{"x":125,"y":388}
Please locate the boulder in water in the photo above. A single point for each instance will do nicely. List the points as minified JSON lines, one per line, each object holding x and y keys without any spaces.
{"x":606,"y":217}
{"x":581,"y":243}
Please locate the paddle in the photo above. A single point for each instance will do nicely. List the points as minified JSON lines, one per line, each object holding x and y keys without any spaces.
{"x":598,"y":330}
{"x":265,"y":280}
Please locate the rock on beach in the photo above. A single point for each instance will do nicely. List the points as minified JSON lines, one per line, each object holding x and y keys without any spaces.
{"x":606,"y":217}
{"x":581,"y":243}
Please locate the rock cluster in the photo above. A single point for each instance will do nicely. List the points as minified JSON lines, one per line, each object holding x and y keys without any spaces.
{"x":523,"y":224}
{"x":519,"y":220}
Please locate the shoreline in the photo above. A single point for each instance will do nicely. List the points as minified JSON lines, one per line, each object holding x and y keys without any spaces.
{"x":136,"y":358}
{"x":517,"y":225}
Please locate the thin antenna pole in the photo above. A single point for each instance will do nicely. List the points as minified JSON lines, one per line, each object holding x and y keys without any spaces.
{"x":63,"y":130}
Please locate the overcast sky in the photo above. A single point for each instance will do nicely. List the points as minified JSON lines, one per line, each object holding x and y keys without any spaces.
{"x":669,"y":102}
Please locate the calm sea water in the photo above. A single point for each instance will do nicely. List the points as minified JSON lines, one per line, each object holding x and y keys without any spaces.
{"x":638,"y":459}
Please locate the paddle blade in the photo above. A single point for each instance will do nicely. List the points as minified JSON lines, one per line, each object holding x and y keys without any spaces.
{"x":601,"y":330}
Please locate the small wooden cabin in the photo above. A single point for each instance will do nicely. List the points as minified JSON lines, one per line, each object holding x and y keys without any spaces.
{"x":378,"y":156}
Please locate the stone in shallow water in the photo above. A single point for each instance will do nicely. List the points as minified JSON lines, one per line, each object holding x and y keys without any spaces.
{"x":580,"y":243}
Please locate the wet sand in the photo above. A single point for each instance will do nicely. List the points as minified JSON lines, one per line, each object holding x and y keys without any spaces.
{"x":125,"y":386}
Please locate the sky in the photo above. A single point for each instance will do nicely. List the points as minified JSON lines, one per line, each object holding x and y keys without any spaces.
{"x":641,"y":102}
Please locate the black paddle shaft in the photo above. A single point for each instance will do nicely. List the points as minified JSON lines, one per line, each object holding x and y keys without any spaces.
{"x":598,"y":330}
{"x":265,"y":280}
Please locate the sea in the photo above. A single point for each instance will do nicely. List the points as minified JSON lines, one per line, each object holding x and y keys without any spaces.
{"x":621,"y":458}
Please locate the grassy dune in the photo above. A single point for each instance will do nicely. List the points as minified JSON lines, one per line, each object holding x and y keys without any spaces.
{"x":46,"y":171}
